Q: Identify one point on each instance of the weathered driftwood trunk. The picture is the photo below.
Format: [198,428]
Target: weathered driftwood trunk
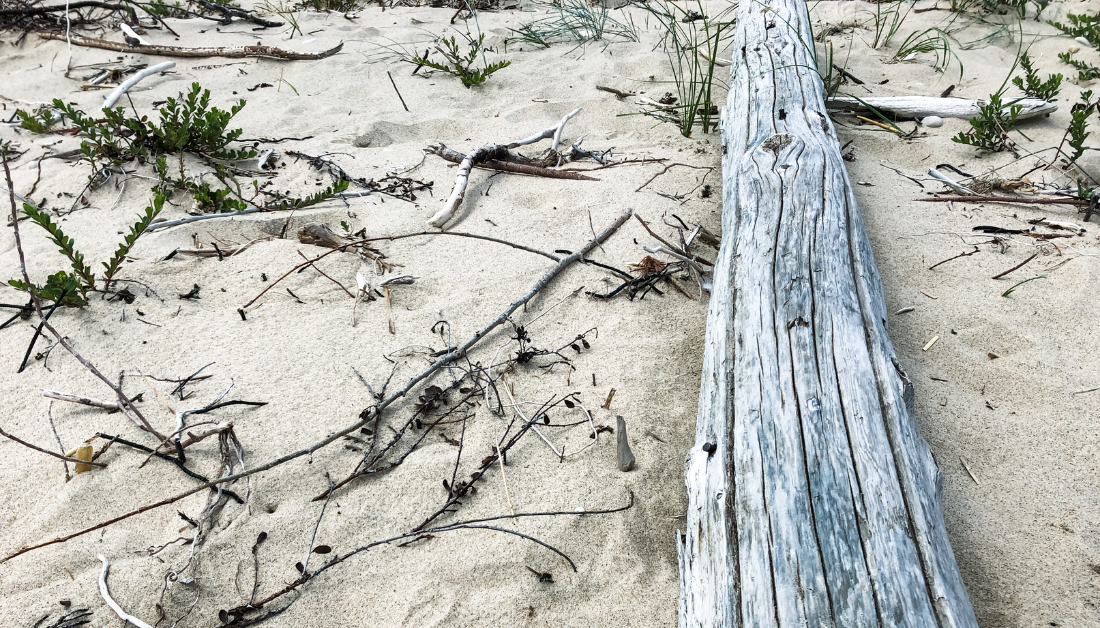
[813,499]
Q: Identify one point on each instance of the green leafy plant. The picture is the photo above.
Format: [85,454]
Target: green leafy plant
[464,65]
[1078,132]
[1087,26]
[71,288]
[65,245]
[1085,72]
[214,201]
[313,199]
[40,122]
[187,124]
[160,8]
[692,41]
[989,131]
[111,266]
[1035,87]
[579,21]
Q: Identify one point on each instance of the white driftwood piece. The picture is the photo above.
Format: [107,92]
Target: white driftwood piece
[812,498]
[922,106]
[462,177]
[110,100]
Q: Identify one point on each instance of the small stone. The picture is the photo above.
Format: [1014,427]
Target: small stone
[932,122]
[622,451]
[1074,49]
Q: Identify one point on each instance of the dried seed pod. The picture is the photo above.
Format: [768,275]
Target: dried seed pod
[622,452]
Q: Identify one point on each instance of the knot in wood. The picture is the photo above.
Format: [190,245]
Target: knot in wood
[777,142]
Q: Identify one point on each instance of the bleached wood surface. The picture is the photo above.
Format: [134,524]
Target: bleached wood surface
[813,499]
[923,106]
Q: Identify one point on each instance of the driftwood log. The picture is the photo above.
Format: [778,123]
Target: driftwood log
[813,499]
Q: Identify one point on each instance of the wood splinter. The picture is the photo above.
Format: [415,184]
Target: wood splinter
[623,455]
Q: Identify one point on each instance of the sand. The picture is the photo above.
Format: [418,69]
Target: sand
[1024,520]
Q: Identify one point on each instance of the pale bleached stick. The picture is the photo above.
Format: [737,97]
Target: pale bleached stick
[183,221]
[923,106]
[110,100]
[958,187]
[367,415]
[126,617]
[462,177]
[87,401]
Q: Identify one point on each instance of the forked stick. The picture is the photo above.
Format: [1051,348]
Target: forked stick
[462,177]
[368,414]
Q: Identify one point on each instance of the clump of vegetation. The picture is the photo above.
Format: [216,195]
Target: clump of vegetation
[1078,131]
[187,124]
[1085,72]
[934,40]
[160,8]
[41,121]
[692,41]
[989,131]
[71,288]
[464,65]
[888,21]
[1087,26]
[339,6]
[1035,87]
[576,20]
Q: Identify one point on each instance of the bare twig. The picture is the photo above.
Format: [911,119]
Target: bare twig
[48,452]
[367,414]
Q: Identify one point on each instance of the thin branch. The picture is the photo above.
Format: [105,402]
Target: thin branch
[212,51]
[48,452]
[367,414]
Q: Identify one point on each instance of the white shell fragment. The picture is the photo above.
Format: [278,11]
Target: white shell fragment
[932,122]
[1082,41]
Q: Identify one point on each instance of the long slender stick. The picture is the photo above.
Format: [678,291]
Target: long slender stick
[57,437]
[211,51]
[48,452]
[367,414]
[1004,199]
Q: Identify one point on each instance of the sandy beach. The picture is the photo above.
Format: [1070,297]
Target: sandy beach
[1007,396]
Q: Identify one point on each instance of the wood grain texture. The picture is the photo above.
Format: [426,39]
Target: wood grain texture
[819,502]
